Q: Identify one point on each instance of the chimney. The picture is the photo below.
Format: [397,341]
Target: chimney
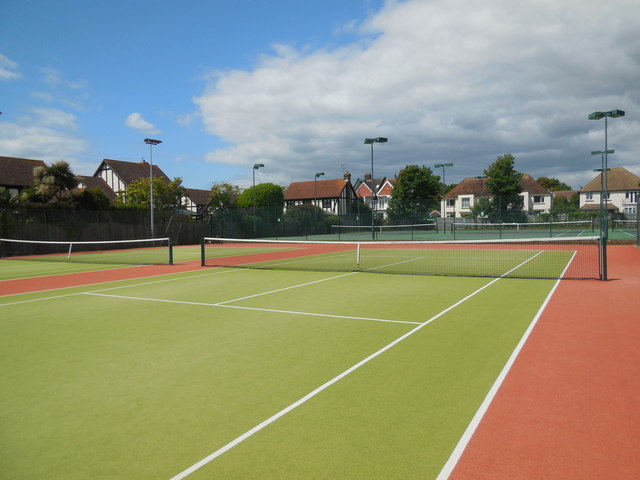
[347,177]
[367,177]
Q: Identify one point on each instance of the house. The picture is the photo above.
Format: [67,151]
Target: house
[96,182]
[383,188]
[334,197]
[197,200]
[459,201]
[623,187]
[119,174]
[16,174]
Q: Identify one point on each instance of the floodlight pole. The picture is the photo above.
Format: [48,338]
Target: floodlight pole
[604,227]
[315,198]
[374,195]
[315,187]
[256,166]
[444,186]
[151,142]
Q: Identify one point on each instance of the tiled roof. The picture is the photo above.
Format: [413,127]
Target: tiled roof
[528,184]
[197,196]
[307,190]
[97,182]
[469,186]
[618,179]
[565,193]
[363,187]
[478,186]
[18,172]
[129,172]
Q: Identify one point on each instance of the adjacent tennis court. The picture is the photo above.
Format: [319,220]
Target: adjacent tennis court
[261,372]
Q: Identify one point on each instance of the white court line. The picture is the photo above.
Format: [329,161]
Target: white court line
[220,305]
[287,288]
[296,404]
[484,406]
[121,286]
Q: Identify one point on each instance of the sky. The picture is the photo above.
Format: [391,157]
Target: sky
[298,86]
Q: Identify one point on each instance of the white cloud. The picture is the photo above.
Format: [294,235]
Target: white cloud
[49,135]
[136,122]
[8,69]
[444,82]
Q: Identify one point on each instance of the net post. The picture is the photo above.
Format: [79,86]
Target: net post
[358,254]
[604,258]
[202,262]
[170,252]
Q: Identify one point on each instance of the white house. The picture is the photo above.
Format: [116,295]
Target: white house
[461,199]
[623,188]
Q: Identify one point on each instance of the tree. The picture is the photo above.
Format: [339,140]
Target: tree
[166,196]
[264,194]
[53,183]
[223,196]
[414,194]
[553,184]
[91,199]
[562,205]
[483,207]
[504,184]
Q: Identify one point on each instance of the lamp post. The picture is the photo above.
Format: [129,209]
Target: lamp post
[151,142]
[315,187]
[374,196]
[604,227]
[315,198]
[444,186]
[481,178]
[256,166]
[603,196]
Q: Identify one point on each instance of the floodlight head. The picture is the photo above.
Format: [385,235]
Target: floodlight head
[257,165]
[151,141]
[439,165]
[611,113]
[375,140]
[319,174]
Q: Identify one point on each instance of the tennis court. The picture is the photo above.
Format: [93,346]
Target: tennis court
[257,372]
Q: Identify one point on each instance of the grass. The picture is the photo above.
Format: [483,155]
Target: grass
[147,381]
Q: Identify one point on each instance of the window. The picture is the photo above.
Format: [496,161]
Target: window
[631,197]
[589,196]
[451,202]
[630,210]
[538,199]
[326,203]
[465,203]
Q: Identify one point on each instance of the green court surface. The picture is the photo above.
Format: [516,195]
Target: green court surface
[299,374]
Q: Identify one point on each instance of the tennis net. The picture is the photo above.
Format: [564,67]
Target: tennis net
[549,258]
[627,226]
[384,232]
[150,251]
[523,230]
